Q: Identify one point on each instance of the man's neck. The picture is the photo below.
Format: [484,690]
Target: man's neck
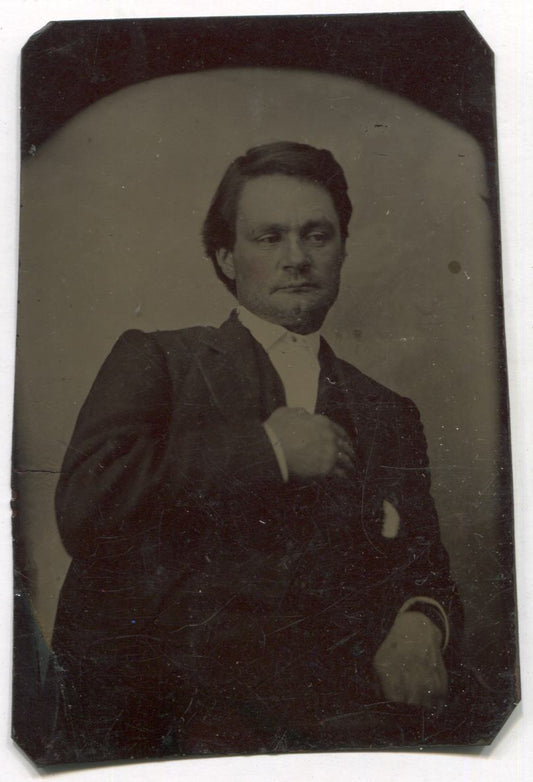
[268,333]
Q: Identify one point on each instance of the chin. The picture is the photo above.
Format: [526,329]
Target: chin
[303,321]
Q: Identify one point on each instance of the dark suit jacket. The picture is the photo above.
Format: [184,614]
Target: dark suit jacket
[205,592]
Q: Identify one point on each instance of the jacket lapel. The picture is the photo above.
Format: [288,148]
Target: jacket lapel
[233,366]
[359,399]
[366,407]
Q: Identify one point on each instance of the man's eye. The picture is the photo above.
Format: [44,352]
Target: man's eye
[268,238]
[317,237]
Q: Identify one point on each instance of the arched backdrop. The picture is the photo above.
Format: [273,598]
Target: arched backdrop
[112,208]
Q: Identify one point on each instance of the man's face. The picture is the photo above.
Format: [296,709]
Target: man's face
[288,251]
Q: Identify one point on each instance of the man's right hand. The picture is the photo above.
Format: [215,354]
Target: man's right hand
[314,445]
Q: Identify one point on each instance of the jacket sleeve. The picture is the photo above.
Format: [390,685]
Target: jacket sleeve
[134,449]
[418,561]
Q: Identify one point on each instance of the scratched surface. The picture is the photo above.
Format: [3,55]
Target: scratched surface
[112,208]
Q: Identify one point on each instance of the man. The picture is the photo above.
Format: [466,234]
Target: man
[256,555]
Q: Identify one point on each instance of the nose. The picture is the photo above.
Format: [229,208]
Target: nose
[295,256]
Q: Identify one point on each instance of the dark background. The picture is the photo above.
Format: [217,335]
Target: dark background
[436,59]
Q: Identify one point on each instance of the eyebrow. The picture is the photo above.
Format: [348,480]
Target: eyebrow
[322,222]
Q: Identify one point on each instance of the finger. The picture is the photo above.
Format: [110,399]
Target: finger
[340,433]
[338,430]
[345,461]
[439,671]
[339,472]
[433,695]
[416,687]
[395,687]
[442,680]
[420,681]
[430,690]
[391,677]
[337,434]
[346,448]
[427,689]
[428,682]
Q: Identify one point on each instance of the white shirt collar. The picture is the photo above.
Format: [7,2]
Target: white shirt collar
[269,334]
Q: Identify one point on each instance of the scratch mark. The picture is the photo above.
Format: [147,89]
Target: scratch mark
[44,472]
[205,621]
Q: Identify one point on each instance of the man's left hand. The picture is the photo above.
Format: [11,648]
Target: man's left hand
[409,662]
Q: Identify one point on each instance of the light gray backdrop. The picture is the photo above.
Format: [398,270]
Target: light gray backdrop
[112,207]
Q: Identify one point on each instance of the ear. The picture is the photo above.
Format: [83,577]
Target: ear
[225,261]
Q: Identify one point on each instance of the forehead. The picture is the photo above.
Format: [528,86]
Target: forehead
[278,198]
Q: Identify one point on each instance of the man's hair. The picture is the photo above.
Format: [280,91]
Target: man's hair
[281,157]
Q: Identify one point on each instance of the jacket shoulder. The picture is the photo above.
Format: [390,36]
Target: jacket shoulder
[137,351]
[370,388]
[167,342]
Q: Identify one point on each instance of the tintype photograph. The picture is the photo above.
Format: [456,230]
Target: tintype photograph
[261,464]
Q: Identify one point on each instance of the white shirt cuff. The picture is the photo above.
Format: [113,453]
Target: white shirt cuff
[411,603]
[278,450]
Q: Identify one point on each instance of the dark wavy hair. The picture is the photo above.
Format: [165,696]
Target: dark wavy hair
[281,157]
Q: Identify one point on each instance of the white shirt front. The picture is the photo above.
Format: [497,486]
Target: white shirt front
[294,357]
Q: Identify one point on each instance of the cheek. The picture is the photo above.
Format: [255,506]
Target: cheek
[253,274]
[330,269]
